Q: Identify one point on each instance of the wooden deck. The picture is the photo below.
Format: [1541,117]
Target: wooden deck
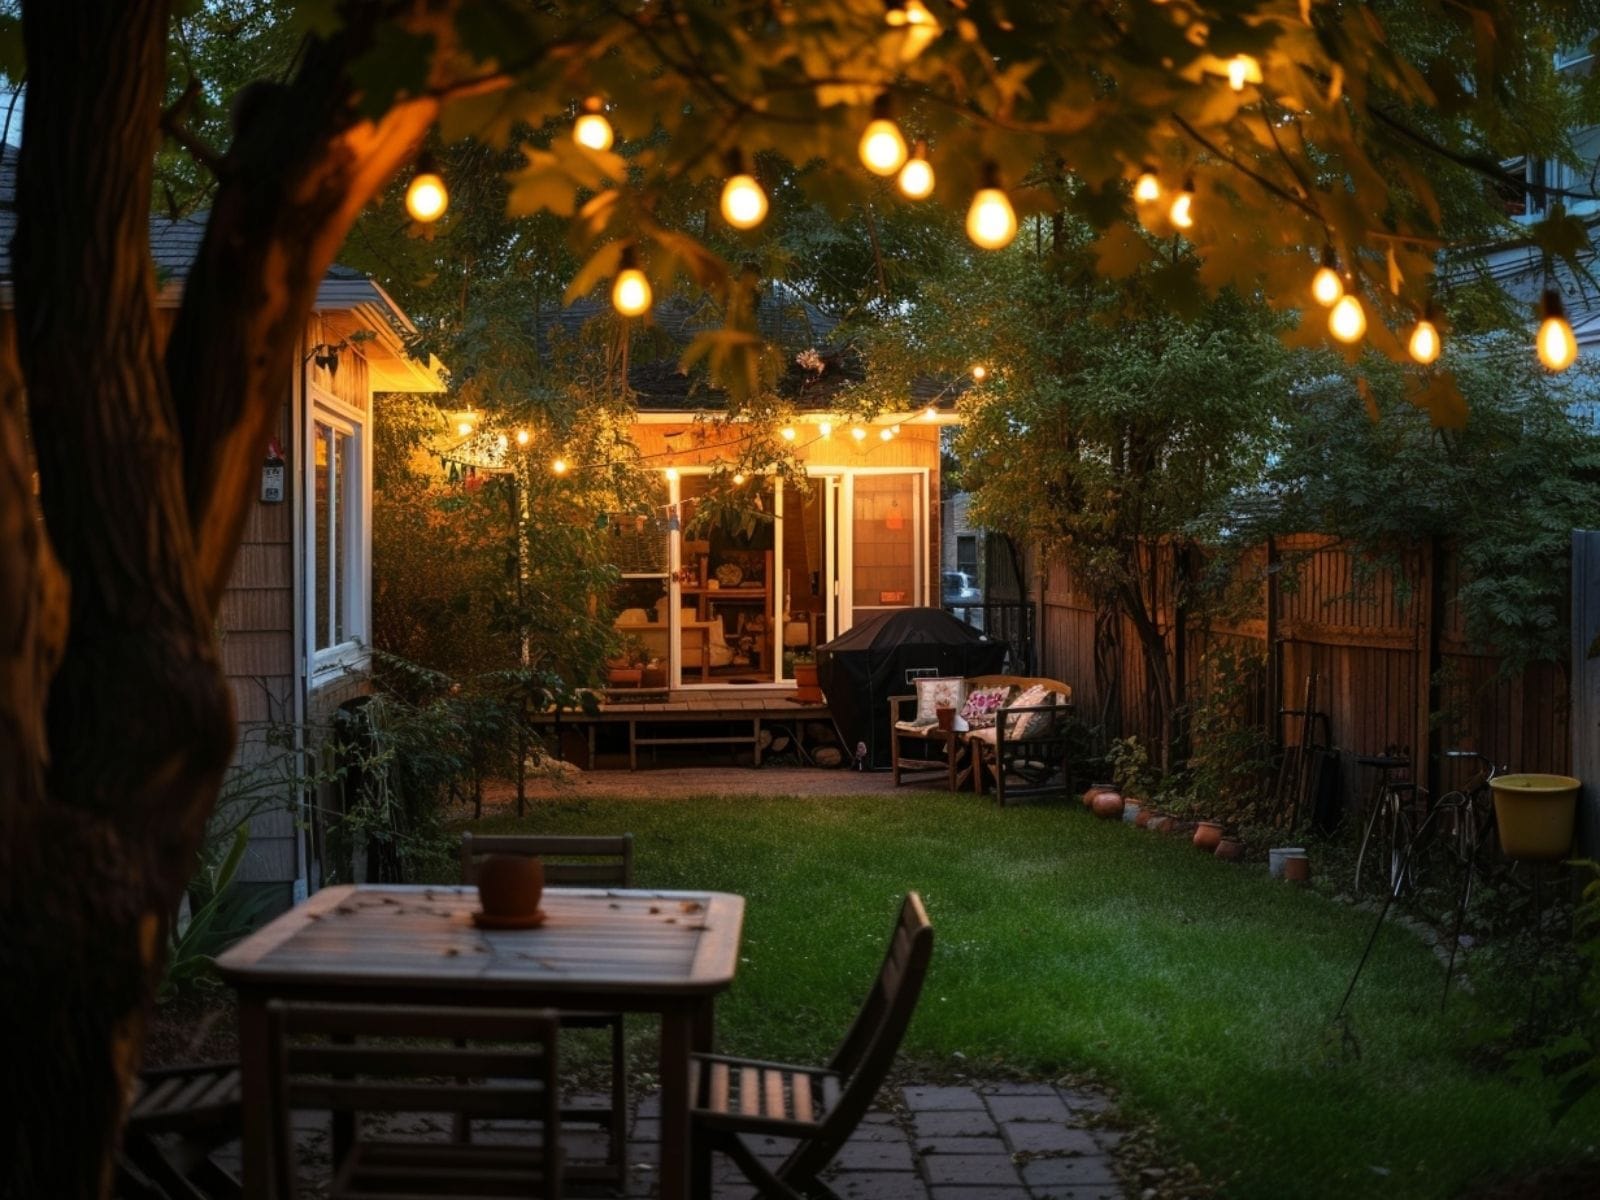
[726,716]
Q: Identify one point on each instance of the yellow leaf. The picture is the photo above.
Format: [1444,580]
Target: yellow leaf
[601,265]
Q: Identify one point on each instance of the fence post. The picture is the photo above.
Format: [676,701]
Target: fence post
[1429,606]
[1274,649]
[1584,718]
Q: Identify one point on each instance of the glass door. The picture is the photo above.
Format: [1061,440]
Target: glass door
[726,588]
[886,540]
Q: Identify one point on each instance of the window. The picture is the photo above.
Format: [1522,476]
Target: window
[967,553]
[336,535]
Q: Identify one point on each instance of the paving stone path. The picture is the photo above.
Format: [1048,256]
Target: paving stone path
[998,1141]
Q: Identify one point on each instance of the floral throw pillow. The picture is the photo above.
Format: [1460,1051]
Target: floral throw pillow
[979,710]
[1026,725]
[938,692]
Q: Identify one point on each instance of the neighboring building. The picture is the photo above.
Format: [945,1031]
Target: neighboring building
[293,622]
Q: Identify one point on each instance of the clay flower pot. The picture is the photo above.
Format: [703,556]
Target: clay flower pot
[1093,790]
[807,687]
[1207,834]
[1143,817]
[1161,823]
[1297,868]
[946,717]
[1108,805]
[1230,849]
[510,885]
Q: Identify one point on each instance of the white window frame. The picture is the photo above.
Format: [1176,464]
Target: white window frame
[353,565]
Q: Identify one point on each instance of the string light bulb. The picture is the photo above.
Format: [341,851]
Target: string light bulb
[931,413]
[991,221]
[1326,286]
[559,466]
[1348,320]
[1182,210]
[1147,188]
[1425,343]
[591,129]
[464,427]
[1243,69]
[630,293]
[980,373]
[825,428]
[859,432]
[1557,344]
[915,180]
[426,195]
[787,433]
[738,478]
[523,437]
[885,434]
[883,146]
[672,473]
[744,204]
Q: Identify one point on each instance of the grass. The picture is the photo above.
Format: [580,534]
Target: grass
[1201,992]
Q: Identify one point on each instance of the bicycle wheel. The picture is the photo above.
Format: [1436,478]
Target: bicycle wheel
[1398,843]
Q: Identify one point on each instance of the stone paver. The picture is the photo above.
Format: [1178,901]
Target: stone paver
[991,1142]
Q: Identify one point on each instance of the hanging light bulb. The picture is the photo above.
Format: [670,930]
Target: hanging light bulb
[980,373]
[523,437]
[1182,210]
[931,413]
[1557,344]
[591,129]
[559,466]
[991,221]
[630,293]
[916,177]
[1425,342]
[464,427]
[883,146]
[859,432]
[426,195]
[738,478]
[788,433]
[1147,188]
[1243,69]
[1326,286]
[672,473]
[885,434]
[744,204]
[1348,320]
[825,428]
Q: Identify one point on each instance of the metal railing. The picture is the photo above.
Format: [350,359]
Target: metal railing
[1010,621]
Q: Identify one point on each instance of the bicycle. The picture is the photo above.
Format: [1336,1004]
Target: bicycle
[1392,821]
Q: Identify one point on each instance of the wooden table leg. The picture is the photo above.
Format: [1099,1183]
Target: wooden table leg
[704,1042]
[256,1099]
[677,1039]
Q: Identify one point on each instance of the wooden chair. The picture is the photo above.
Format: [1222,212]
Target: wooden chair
[735,1097]
[179,1115]
[579,862]
[1040,762]
[356,1060]
[950,747]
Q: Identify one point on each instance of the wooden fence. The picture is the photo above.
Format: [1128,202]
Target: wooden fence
[1387,644]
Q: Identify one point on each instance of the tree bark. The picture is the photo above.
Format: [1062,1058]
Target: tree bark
[115,717]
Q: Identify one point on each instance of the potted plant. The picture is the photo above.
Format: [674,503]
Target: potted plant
[1535,814]
[625,668]
[806,688]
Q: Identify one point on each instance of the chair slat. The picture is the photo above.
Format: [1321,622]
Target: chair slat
[479,1100]
[830,1093]
[803,1110]
[749,1092]
[773,1094]
[719,1087]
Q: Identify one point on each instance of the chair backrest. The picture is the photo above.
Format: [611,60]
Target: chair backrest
[568,861]
[864,1056]
[357,1059]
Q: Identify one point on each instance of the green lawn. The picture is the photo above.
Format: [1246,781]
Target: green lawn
[1202,992]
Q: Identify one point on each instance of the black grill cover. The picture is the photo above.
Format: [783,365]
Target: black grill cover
[859,670]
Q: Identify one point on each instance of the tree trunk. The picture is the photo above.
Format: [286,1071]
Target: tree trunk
[115,718]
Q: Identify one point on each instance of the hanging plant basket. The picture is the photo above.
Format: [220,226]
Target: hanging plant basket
[1534,814]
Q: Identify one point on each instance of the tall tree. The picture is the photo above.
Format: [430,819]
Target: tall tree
[114,725]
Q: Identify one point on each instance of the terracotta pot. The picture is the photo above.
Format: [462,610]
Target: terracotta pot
[1535,815]
[1207,834]
[624,676]
[1276,857]
[1131,810]
[510,885]
[1108,806]
[653,677]
[806,686]
[1093,790]
[1143,817]
[1161,823]
[946,717]
[1230,849]
[1297,868]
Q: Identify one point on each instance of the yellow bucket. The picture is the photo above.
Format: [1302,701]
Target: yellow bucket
[1535,814]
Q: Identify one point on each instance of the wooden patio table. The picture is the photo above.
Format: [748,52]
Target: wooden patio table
[598,950]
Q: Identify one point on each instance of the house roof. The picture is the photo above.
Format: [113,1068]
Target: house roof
[174,244]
